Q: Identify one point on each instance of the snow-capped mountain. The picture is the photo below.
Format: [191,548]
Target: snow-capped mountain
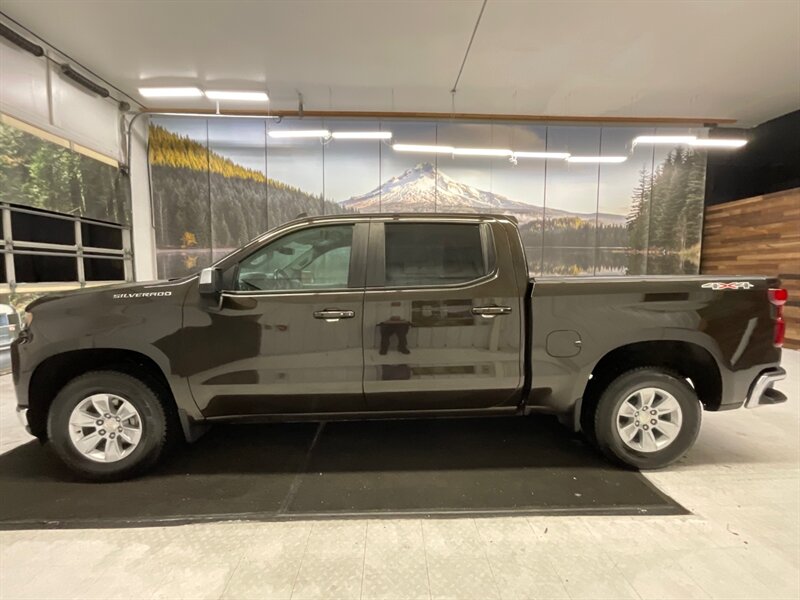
[423,189]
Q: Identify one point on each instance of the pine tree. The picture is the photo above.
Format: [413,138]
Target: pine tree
[637,221]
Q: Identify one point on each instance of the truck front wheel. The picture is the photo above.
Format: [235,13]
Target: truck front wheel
[647,418]
[107,425]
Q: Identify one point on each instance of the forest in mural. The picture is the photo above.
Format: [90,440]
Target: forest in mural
[41,174]
[216,185]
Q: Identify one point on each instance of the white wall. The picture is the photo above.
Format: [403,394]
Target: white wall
[144,257]
[33,89]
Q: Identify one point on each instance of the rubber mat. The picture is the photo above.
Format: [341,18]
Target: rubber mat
[453,467]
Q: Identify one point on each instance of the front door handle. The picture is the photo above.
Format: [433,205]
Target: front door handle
[490,312]
[331,315]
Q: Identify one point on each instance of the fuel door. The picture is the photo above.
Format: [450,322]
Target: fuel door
[563,343]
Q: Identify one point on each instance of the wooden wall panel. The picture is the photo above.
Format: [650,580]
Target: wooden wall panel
[758,236]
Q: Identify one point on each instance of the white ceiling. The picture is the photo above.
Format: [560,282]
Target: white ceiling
[712,59]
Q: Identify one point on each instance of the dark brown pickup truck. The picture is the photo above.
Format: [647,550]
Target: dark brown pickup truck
[364,316]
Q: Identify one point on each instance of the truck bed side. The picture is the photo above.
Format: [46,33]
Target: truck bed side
[587,328]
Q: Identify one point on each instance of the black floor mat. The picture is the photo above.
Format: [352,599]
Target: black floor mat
[378,468]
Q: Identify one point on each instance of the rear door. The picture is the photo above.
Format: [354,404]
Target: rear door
[442,316]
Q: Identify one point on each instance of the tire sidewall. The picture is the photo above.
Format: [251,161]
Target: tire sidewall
[608,437]
[108,382]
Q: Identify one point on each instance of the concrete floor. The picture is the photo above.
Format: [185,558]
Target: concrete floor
[741,481]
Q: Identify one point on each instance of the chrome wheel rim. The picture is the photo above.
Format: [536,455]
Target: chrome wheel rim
[105,428]
[649,420]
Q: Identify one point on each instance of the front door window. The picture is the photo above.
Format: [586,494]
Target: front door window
[317,258]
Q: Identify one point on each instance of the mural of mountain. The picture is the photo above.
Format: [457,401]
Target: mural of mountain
[424,189]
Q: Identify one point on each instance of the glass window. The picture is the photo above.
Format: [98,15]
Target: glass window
[103,269]
[97,236]
[309,259]
[433,253]
[28,227]
[38,268]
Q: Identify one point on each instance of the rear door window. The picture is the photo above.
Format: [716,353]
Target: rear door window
[433,254]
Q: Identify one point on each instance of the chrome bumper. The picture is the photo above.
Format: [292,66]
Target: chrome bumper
[762,392]
[22,416]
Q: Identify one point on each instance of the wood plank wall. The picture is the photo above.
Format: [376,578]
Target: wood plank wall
[758,236]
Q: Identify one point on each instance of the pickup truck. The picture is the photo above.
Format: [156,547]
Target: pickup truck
[392,316]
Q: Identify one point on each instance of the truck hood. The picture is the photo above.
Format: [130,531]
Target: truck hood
[139,289]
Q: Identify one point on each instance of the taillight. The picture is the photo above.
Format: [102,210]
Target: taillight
[778,297]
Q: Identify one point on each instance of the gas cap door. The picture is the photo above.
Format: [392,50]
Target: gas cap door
[563,343]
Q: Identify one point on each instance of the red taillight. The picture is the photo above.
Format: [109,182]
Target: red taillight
[778,297]
[780,332]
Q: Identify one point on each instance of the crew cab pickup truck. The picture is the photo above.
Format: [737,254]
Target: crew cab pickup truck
[391,316]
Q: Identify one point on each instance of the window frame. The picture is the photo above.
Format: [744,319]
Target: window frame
[355,276]
[376,266]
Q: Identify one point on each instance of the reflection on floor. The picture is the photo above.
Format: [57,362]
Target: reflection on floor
[742,482]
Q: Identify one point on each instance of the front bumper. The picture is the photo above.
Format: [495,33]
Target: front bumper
[761,391]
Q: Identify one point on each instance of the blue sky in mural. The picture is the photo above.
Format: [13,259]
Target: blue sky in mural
[346,169]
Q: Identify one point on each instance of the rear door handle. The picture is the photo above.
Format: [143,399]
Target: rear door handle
[331,315]
[489,312]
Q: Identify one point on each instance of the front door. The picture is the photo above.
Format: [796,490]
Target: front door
[286,337]
[442,322]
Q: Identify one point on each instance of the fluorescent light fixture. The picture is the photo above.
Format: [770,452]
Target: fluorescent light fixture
[300,133]
[244,96]
[361,135]
[664,139]
[422,148]
[170,92]
[597,159]
[481,152]
[719,143]
[556,155]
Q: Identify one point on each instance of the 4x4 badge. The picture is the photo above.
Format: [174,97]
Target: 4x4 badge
[733,285]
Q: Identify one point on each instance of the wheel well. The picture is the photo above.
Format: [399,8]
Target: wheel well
[689,360]
[55,372]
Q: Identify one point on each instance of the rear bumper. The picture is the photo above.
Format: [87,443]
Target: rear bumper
[22,417]
[761,391]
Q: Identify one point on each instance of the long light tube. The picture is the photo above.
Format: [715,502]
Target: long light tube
[664,139]
[597,159]
[170,92]
[422,148]
[481,152]
[554,155]
[242,96]
[300,133]
[718,143]
[361,135]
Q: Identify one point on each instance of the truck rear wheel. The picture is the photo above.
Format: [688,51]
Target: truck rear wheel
[647,418]
[107,425]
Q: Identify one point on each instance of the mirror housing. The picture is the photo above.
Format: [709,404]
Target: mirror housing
[210,282]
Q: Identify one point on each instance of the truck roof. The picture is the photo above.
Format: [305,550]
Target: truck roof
[403,216]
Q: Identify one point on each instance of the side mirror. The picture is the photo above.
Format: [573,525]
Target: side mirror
[210,282]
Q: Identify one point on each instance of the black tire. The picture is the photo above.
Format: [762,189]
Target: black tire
[139,394]
[605,418]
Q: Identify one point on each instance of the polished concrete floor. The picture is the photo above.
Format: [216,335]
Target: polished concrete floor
[741,481]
